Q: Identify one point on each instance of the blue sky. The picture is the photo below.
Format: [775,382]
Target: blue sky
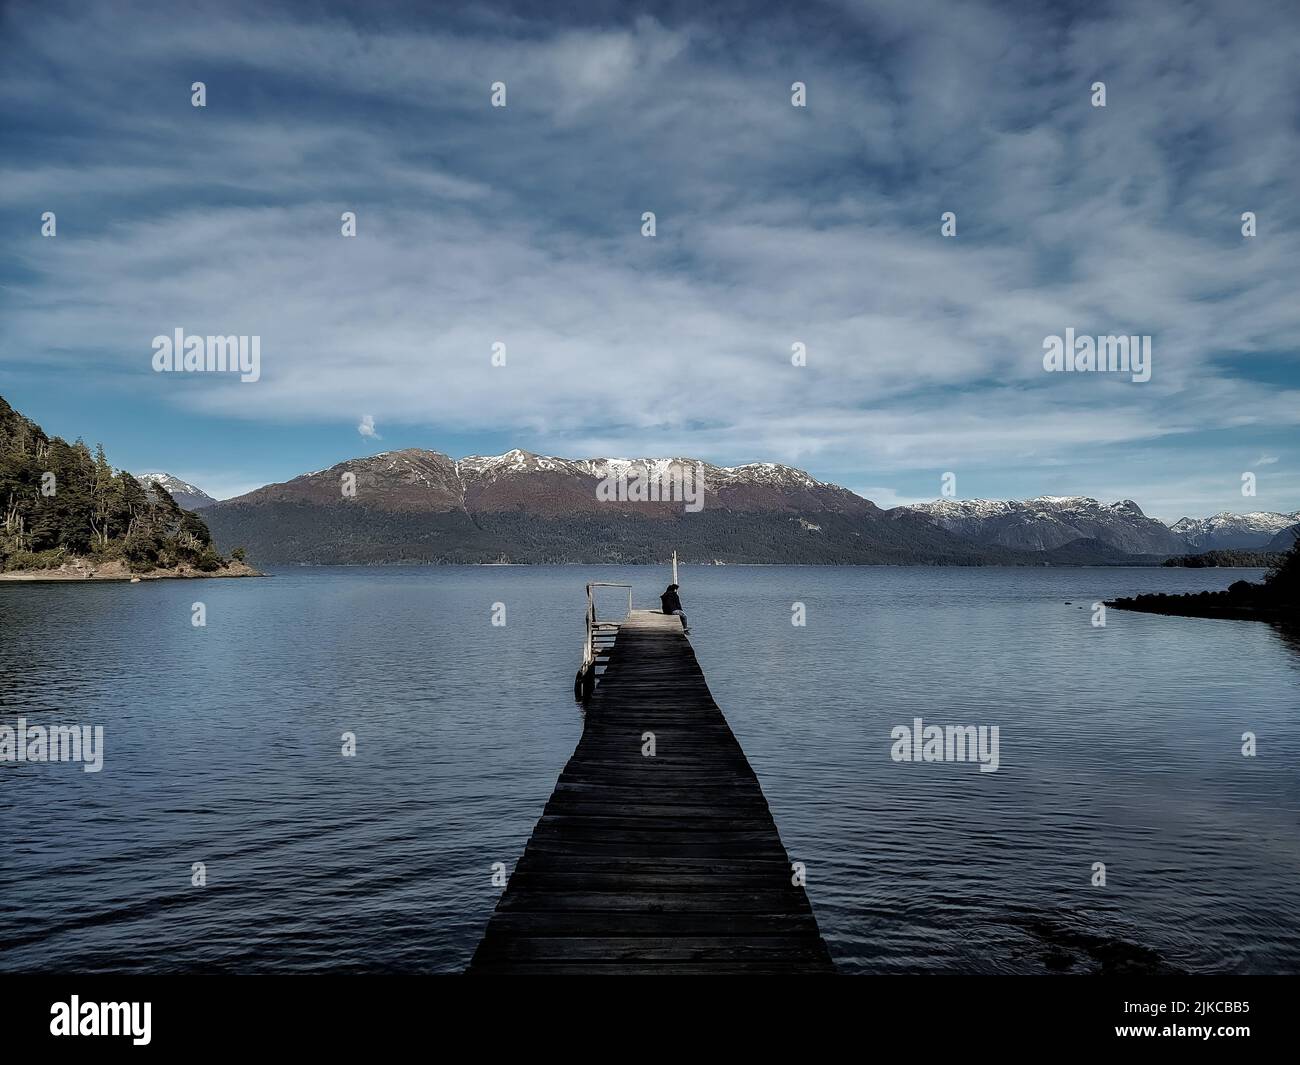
[775,225]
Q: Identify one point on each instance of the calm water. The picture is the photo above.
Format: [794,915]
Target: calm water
[1118,744]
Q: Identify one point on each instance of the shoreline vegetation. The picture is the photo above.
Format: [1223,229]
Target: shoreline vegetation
[66,514]
[1276,599]
[1228,558]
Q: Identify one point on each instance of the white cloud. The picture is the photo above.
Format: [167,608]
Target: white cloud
[521,226]
[887,498]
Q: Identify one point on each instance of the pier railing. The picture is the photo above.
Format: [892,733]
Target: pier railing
[601,634]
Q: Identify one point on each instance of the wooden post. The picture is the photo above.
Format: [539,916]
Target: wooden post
[674,567]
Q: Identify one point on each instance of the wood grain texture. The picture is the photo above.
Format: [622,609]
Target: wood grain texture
[665,864]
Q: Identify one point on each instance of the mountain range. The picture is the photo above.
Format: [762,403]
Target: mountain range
[418,506]
[1249,531]
[1052,521]
[1284,540]
[422,506]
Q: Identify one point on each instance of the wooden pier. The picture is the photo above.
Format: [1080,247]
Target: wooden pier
[663,863]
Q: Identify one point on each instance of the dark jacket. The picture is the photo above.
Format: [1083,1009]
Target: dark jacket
[670,602]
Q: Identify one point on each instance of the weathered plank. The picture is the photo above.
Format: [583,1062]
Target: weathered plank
[663,864]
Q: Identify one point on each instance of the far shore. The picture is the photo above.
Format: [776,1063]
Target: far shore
[82,571]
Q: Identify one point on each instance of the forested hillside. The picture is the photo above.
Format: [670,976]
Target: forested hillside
[60,501]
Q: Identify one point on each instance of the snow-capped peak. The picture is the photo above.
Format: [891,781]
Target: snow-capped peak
[519,461]
[186,495]
[1227,530]
[172,484]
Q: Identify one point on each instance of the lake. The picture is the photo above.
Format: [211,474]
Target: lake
[1119,744]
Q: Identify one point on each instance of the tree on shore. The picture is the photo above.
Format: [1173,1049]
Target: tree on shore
[59,501]
[1283,581]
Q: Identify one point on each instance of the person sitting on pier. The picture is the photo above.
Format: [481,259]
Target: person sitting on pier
[672,604]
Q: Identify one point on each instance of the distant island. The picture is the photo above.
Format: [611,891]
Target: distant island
[1277,598]
[68,515]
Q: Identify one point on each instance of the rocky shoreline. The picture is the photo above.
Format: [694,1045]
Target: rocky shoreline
[84,570]
[1207,605]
